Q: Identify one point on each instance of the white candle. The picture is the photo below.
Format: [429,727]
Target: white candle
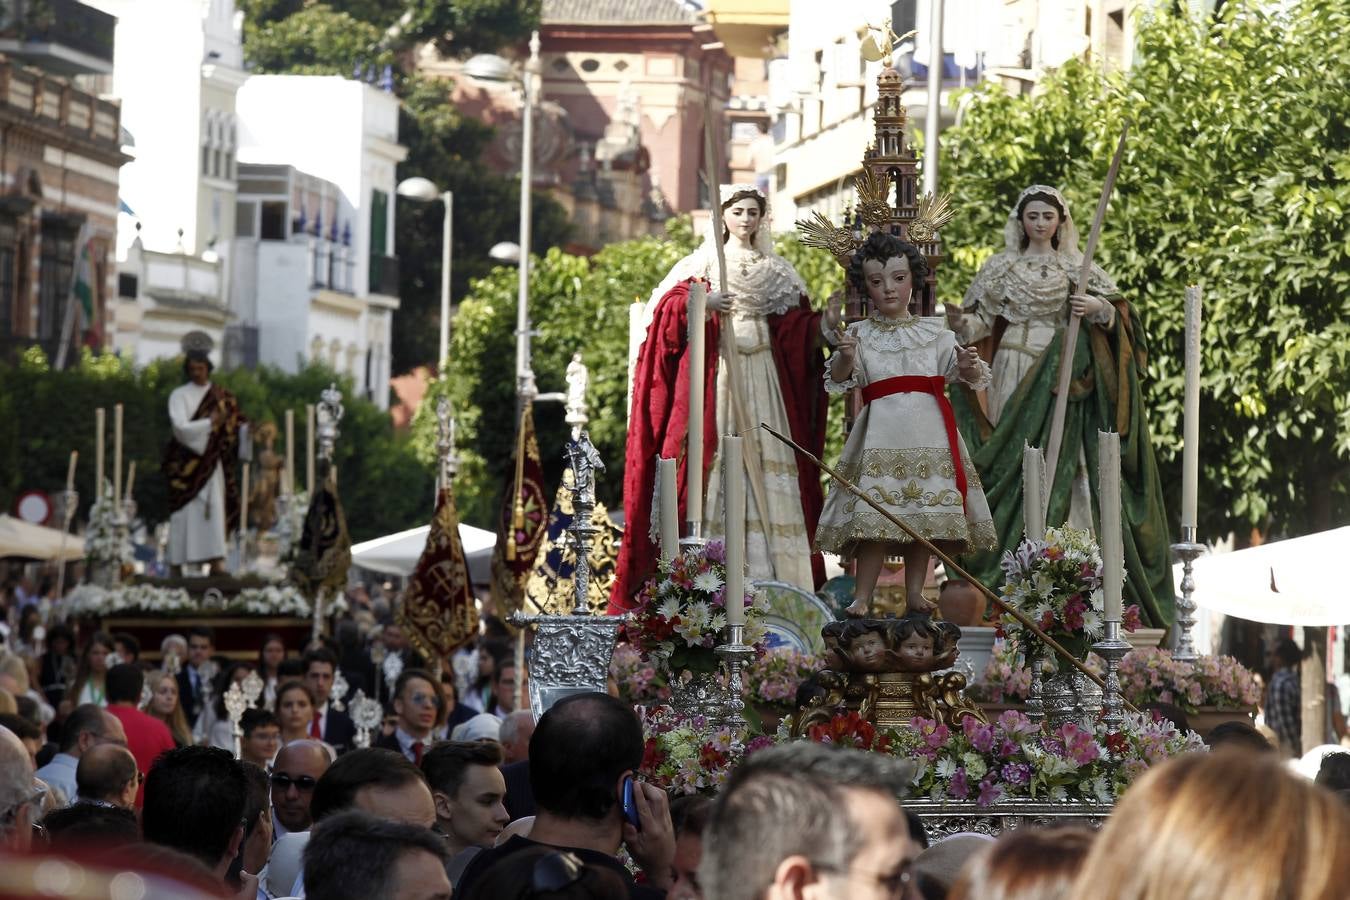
[1033,492]
[309,449]
[70,472]
[1190,454]
[698,301]
[100,442]
[117,453]
[243,505]
[670,509]
[288,481]
[1108,497]
[131,479]
[733,493]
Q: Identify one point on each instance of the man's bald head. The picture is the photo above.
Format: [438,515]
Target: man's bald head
[16,786]
[108,772]
[296,770]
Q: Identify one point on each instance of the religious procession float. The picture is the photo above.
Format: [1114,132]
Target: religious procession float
[1007,441]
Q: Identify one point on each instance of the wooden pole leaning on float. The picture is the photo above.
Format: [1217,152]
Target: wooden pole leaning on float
[951,564]
[1071,330]
[727,335]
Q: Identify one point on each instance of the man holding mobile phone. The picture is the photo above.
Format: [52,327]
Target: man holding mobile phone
[584,758]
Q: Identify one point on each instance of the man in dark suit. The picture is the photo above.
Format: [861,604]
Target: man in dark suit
[194,678]
[417,703]
[330,725]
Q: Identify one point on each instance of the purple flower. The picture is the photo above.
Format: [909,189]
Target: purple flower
[990,793]
[960,785]
[1017,773]
[981,736]
[1007,747]
[758,743]
[716,551]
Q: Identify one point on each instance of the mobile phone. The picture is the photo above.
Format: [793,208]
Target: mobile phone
[629,806]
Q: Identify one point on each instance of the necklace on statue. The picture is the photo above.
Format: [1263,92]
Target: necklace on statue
[749,260]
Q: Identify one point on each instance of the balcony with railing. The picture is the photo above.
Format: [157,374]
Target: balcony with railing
[37,98]
[64,37]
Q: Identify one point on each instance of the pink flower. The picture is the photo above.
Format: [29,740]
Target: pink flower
[1132,619]
[960,785]
[981,736]
[990,793]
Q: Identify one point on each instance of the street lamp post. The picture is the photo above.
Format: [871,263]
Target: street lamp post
[524,371]
[423,190]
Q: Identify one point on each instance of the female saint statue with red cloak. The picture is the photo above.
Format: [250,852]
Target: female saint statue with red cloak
[777,341]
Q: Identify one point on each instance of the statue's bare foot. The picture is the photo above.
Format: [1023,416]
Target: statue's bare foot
[857,609]
[919,604]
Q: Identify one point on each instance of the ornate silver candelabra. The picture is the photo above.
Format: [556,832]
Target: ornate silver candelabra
[235,704]
[445,444]
[1187,550]
[1112,648]
[330,414]
[571,653]
[735,653]
[366,715]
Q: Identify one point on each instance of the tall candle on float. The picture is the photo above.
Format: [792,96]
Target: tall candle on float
[100,441]
[1190,454]
[733,484]
[288,480]
[670,508]
[117,453]
[698,304]
[309,448]
[70,472]
[1033,492]
[131,480]
[1108,493]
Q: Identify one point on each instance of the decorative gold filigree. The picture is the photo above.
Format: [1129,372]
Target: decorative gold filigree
[933,213]
[818,231]
[874,198]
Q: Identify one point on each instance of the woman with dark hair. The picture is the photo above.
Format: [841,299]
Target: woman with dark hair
[764,314]
[1017,308]
[1025,864]
[904,448]
[57,666]
[295,711]
[271,654]
[89,685]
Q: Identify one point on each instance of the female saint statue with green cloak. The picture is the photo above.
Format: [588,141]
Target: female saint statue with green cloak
[1016,309]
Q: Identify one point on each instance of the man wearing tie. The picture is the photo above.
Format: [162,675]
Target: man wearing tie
[194,679]
[417,700]
[330,725]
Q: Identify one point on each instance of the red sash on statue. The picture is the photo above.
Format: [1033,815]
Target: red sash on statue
[925,384]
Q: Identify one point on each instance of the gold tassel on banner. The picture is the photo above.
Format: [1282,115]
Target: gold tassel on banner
[518,514]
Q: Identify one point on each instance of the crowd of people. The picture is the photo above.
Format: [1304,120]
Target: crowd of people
[111,765]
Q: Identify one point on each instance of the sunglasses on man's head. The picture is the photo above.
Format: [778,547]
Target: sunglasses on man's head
[282,781]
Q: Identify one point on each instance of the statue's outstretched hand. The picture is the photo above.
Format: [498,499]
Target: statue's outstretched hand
[967,361]
[834,311]
[718,301]
[846,349]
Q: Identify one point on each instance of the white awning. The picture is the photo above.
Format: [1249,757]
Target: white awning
[1293,582]
[397,554]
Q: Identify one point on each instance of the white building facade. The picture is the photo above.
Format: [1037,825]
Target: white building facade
[314,271]
[177,67]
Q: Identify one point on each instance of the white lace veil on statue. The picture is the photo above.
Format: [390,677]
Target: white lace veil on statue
[1067,232]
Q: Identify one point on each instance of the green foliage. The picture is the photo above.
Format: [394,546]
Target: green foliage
[1237,177]
[46,414]
[315,40]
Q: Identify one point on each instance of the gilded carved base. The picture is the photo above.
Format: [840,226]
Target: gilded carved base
[890,699]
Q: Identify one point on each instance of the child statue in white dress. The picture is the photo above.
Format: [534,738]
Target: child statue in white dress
[904,450]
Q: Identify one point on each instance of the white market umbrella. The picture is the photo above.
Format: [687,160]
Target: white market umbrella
[397,554]
[1289,582]
[25,540]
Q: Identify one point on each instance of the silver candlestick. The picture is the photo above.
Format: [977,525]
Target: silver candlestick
[367,714]
[585,461]
[735,653]
[330,414]
[1112,648]
[1188,550]
[235,704]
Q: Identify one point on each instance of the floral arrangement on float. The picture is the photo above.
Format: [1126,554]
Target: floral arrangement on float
[681,617]
[93,601]
[105,541]
[1006,677]
[638,681]
[688,755]
[773,677]
[1153,676]
[1012,758]
[1057,582]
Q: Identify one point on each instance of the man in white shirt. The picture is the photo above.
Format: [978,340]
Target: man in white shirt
[87,726]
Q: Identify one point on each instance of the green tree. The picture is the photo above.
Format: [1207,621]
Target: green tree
[45,414]
[1236,177]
